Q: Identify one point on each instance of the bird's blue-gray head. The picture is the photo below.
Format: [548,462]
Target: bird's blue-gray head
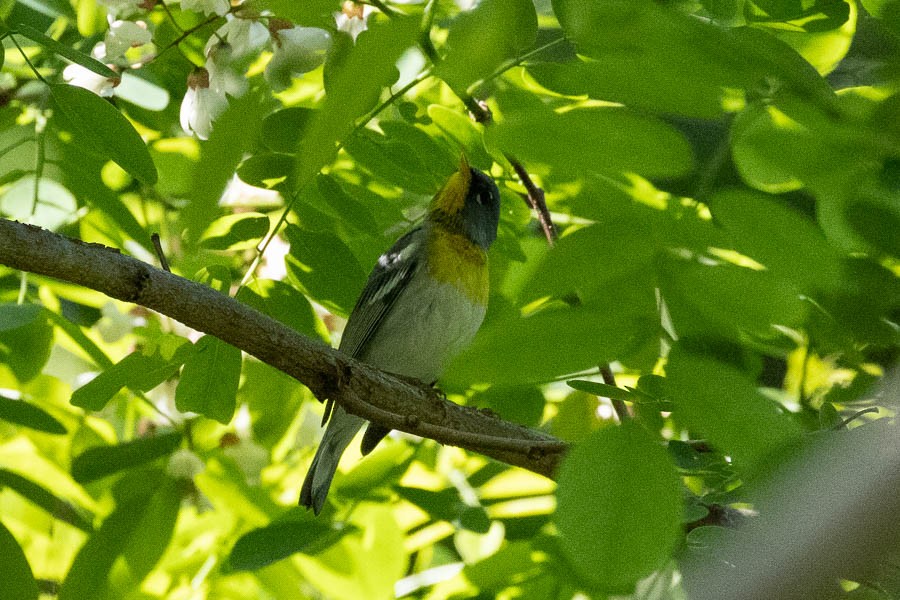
[481,210]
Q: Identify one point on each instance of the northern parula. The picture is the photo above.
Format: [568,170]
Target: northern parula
[422,304]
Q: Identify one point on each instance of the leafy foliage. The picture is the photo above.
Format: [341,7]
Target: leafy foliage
[725,179]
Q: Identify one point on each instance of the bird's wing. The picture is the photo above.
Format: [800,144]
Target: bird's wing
[387,280]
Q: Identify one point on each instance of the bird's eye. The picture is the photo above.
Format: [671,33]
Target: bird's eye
[479,198]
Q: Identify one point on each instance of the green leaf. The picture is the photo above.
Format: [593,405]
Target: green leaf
[15,572]
[353,89]
[345,207]
[88,575]
[107,131]
[393,161]
[720,402]
[283,129]
[235,133]
[479,40]
[761,227]
[285,304]
[235,232]
[729,301]
[619,507]
[597,140]
[42,202]
[268,170]
[464,132]
[53,505]
[65,51]
[519,404]
[571,339]
[274,542]
[601,389]
[137,371]
[154,530]
[324,268]
[26,338]
[98,462]
[647,55]
[209,380]
[29,415]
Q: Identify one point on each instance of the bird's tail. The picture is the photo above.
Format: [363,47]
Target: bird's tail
[342,426]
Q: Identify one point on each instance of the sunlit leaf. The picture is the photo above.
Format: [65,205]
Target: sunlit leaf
[104,128]
[65,51]
[209,380]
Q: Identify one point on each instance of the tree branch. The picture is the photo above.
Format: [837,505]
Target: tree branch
[360,389]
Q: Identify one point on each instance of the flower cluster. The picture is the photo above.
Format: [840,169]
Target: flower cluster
[230,50]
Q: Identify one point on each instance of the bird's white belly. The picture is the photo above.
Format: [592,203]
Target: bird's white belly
[428,326]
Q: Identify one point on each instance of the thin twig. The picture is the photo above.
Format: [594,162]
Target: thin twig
[536,200]
[159,252]
[619,406]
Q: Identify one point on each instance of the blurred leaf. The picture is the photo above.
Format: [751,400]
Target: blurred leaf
[480,39]
[88,575]
[324,268]
[718,401]
[464,132]
[391,160]
[264,546]
[137,371]
[383,466]
[268,170]
[235,132]
[348,209]
[42,202]
[311,13]
[15,572]
[352,90]
[603,390]
[762,227]
[209,380]
[648,55]
[285,304]
[235,232]
[519,404]
[26,338]
[154,529]
[53,505]
[543,346]
[620,481]
[593,259]
[63,50]
[283,129]
[729,301]
[598,140]
[29,415]
[100,461]
[99,124]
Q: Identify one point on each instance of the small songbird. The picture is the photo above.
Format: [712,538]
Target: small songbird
[422,304]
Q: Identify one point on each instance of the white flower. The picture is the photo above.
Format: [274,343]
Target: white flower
[201,105]
[207,7]
[123,35]
[353,18]
[87,79]
[224,77]
[245,36]
[298,50]
[184,464]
